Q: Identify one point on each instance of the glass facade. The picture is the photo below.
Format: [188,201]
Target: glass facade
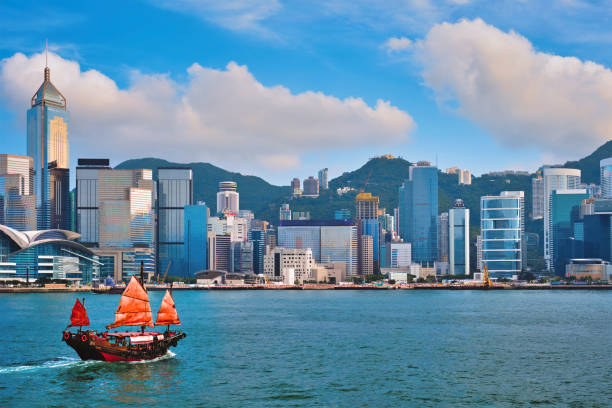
[565,208]
[605,168]
[195,238]
[555,179]
[17,201]
[459,240]
[329,240]
[502,230]
[45,254]
[258,238]
[418,212]
[174,192]
[47,145]
[371,227]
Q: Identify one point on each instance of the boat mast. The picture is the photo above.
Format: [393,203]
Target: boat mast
[143,286]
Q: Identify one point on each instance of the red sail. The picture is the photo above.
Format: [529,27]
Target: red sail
[167,311]
[134,308]
[79,315]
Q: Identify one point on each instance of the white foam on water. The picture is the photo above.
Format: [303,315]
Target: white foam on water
[60,362]
[166,356]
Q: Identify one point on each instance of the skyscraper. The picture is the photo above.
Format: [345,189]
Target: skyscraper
[565,212]
[605,173]
[555,179]
[47,144]
[418,212]
[228,198]
[502,226]
[366,206]
[323,182]
[443,237]
[87,202]
[329,240]
[17,201]
[174,192]
[258,238]
[195,238]
[116,217]
[459,239]
[537,197]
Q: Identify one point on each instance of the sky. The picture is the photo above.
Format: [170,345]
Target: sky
[281,89]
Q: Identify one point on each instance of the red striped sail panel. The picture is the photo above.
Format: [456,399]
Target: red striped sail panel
[79,315]
[134,308]
[167,311]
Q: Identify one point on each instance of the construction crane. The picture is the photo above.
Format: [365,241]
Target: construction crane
[166,273]
[486,282]
[362,189]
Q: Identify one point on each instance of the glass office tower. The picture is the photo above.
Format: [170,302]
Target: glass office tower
[196,220]
[459,239]
[47,144]
[174,192]
[418,212]
[258,238]
[502,225]
[17,201]
[565,212]
[555,179]
[329,240]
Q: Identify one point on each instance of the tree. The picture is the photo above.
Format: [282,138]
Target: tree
[391,281]
[421,280]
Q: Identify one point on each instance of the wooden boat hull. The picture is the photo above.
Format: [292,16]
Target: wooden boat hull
[91,345]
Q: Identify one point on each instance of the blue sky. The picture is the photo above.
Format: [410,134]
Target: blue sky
[283,88]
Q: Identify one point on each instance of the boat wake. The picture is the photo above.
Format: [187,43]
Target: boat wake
[166,356]
[60,362]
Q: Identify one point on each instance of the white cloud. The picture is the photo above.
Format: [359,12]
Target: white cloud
[223,116]
[395,44]
[523,97]
[238,15]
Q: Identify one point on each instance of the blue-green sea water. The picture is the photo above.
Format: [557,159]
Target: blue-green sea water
[326,348]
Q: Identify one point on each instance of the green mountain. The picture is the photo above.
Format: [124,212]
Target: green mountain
[206,179]
[384,175]
[590,164]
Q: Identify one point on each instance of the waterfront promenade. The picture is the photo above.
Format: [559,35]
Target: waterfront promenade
[410,286]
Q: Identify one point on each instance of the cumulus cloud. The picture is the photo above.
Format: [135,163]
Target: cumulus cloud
[520,95]
[395,44]
[225,116]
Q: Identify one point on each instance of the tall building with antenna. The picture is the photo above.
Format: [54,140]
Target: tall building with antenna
[47,124]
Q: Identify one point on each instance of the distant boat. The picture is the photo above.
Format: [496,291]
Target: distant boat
[134,310]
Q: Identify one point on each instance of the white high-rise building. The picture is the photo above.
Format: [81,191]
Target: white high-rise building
[228,198]
[465,176]
[555,178]
[323,181]
[236,227]
[605,167]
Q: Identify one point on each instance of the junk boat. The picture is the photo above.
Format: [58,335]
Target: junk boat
[134,310]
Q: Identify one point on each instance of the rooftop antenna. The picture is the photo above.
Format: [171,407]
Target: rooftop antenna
[47,74]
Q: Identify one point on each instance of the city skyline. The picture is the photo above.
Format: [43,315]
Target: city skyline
[278,71]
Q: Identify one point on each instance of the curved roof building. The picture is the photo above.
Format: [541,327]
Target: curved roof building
[48,253]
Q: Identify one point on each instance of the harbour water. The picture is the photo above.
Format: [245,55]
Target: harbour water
[326,348]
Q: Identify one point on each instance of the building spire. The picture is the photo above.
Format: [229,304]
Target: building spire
[47,72]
